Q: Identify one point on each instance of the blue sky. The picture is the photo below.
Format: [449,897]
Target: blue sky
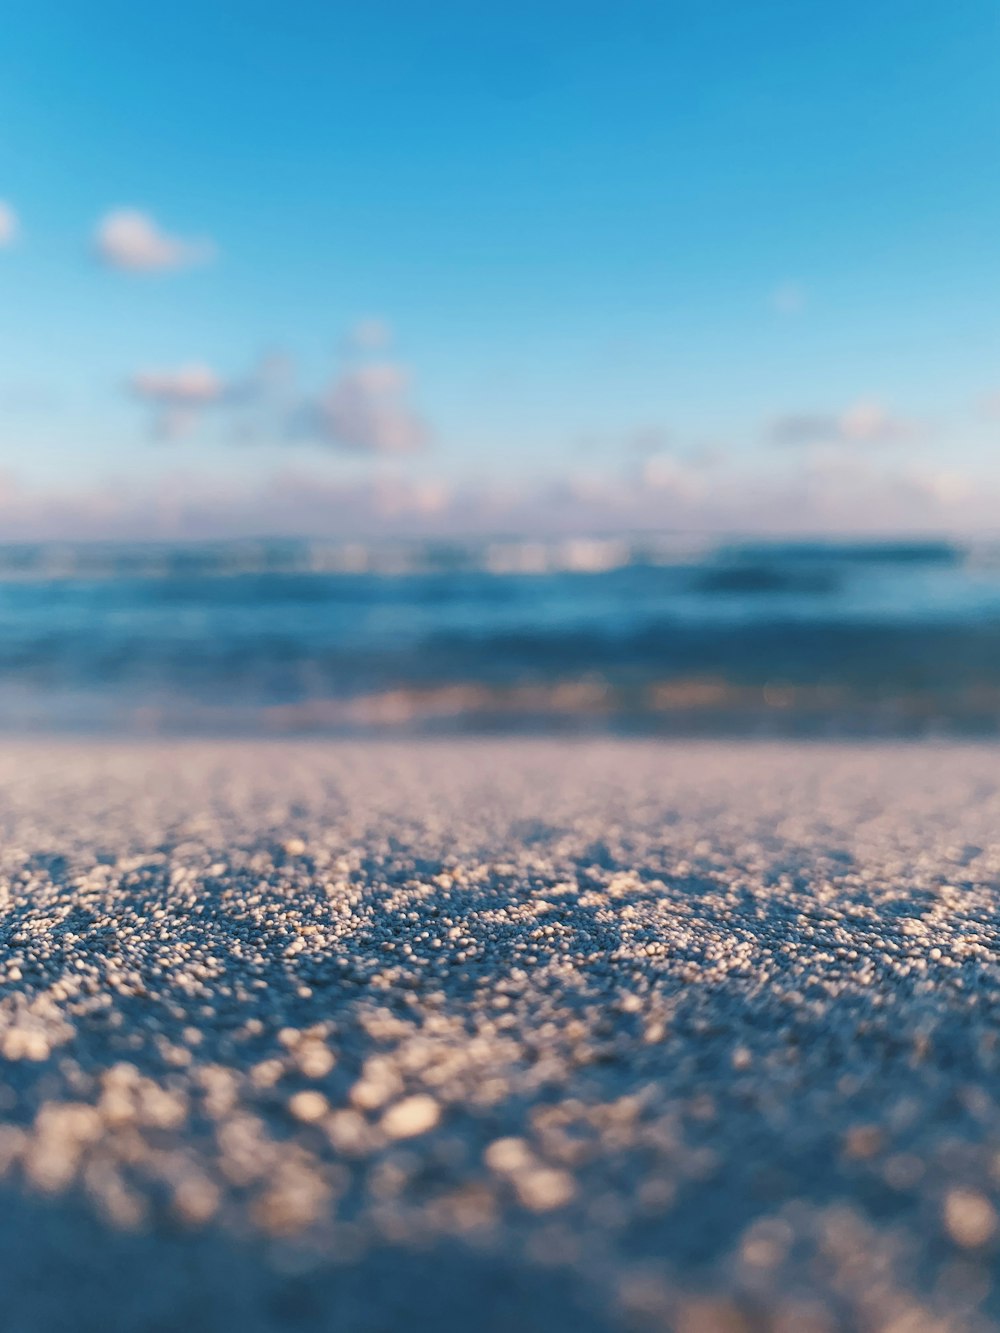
[571,264]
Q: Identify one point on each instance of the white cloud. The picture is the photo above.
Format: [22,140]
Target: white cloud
[366,409]
[946,488]
[179,397]
[395,497]
[9,225]
[129,239]
[866,421]
[252,407]
[193,385]
[673,476]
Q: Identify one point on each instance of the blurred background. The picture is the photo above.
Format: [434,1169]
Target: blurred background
[549,365]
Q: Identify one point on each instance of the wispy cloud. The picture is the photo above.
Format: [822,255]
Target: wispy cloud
[133,241]
[9,225]
[680,478]
[178,396]
[367,409]
[865,422]
[188,386]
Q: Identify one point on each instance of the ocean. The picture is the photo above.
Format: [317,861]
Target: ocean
[632,635]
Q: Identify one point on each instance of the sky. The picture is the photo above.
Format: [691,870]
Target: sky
[330,268]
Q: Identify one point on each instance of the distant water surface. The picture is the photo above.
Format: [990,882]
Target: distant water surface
[624,635]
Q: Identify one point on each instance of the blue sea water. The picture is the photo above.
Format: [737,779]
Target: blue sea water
[647,635]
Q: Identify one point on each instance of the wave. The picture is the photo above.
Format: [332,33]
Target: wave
[502,557]
[632,632]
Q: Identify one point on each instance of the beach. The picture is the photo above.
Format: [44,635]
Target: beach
[580,1034]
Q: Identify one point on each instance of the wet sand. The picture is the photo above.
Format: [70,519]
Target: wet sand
[507,1034]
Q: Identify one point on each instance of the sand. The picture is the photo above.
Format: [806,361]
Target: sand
[505,1035]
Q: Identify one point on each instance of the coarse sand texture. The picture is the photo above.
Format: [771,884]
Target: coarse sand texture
[534,1035]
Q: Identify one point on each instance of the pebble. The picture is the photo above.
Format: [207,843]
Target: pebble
[308,1106]
[410,1117]
[970,1218]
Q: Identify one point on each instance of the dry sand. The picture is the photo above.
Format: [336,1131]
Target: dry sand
[501,1035]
